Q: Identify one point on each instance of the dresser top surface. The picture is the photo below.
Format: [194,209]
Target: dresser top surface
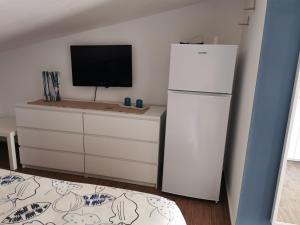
[154,112]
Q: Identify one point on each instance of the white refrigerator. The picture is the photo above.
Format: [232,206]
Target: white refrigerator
[199,96]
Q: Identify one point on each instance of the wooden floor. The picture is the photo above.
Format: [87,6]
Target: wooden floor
[195,212]
[289,207]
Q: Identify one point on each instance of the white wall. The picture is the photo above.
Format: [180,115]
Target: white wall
[20,69]
[243,97]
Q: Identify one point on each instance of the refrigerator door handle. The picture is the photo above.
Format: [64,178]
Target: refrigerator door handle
[199,93]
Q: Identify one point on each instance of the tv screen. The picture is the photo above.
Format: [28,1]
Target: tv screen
[102,65]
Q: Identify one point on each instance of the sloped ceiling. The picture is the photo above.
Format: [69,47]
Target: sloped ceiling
[24,22]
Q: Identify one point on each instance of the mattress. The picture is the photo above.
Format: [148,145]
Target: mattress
[34,200]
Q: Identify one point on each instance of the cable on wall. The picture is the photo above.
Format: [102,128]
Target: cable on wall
[95,94]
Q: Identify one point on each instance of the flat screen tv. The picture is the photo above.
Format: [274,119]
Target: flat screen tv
[102,65]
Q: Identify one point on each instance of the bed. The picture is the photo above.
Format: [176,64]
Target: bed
[34,200]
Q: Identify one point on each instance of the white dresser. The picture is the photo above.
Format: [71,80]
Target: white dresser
[115,145]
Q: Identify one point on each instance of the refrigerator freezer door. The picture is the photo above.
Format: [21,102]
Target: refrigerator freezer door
[195,144]
[204,68]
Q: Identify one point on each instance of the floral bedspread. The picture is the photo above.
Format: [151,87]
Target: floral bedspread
[33,200]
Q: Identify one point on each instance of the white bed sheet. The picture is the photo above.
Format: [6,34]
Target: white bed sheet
[34,200]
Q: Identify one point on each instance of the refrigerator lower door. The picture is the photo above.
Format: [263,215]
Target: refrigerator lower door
[195,144]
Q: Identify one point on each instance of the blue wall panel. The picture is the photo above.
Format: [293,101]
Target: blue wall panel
[277,69]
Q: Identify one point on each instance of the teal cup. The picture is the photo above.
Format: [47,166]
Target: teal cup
[127,101]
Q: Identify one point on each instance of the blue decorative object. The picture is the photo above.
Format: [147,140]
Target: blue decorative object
[139,103]
[51,81]
[47,93]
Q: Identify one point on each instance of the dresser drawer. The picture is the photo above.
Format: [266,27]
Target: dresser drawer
[137,129]
[49,120]
[54,160]
[50,140]
[134,171]
[121,148]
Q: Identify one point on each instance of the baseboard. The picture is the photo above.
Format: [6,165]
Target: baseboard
[294,160]
[281,223]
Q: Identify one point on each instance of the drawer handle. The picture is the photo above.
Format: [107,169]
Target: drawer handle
[202,53]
